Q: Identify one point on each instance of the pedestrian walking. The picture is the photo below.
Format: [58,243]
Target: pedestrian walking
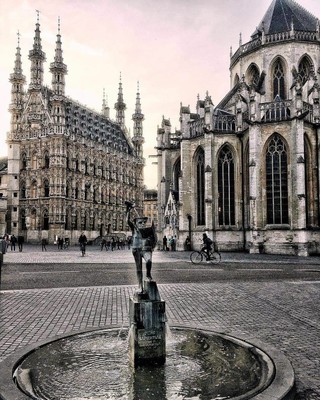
[13,242]
[20,243]
[103,244]
[44,244]
[83,243]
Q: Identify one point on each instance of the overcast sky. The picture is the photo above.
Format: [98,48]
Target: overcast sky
[174,48]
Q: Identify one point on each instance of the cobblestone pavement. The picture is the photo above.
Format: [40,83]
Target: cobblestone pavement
[283,314]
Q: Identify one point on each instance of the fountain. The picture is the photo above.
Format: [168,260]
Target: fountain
[147,360]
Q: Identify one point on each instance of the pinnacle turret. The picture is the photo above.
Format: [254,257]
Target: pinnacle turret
[105,108]
[18,81]
[58,68]
[120,107]
[37,58]
[138,118]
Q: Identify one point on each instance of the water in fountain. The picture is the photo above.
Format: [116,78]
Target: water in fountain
[94,366]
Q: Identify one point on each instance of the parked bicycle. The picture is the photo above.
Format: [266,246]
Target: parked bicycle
[196,257]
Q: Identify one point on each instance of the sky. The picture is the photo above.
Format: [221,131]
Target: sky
[176,49]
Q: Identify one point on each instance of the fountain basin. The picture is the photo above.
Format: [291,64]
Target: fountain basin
[201,364]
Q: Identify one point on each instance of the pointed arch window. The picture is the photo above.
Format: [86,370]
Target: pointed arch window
[278,80]
[200,187]
[305,68]
[226,187]
[24,161]
[253,75]
[23,225]
[23,191]
[67,225]
[176,176]
[45,221]
[34,161]
[34,189]
[311,185]
[46,160]
[277,181]
[46,188]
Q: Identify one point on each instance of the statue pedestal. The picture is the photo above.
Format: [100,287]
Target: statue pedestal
[147,337]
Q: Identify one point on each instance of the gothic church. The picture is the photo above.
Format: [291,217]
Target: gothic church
[246,171]
[70,168]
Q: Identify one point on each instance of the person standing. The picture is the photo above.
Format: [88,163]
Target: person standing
[188,243]
[83,243]
[165,243]
[13,242]
[20,243]
[44,244]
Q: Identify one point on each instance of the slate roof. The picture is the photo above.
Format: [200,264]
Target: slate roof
[280,14]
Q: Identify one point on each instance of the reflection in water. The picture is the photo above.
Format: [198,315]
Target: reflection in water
[95,366]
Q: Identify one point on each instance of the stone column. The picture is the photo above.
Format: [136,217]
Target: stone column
[147,336]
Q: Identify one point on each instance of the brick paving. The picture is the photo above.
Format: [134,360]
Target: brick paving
[283,314]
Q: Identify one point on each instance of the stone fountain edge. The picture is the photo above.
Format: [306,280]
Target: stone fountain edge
[281,386]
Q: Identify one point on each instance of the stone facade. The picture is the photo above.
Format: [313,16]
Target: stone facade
[150,205]
[70,168]
[247,170]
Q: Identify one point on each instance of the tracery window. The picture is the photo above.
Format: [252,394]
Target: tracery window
[176,175]
[305,68]
[24,161]
[45,220]
[200,187]
[34,189]
[46,160]
[23,192]
[34,162]
[67,225]
[277,181]
[253,75]
[46,188]
[226,187]
[278,80]
[23,225]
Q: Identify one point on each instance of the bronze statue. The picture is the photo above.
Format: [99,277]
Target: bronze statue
[144,239]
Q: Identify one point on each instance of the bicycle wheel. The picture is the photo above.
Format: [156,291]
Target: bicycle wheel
[215,257]
[196,257]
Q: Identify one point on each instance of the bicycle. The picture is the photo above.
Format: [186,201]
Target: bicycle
[197,256]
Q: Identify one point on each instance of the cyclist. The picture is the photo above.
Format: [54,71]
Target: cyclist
[207,245]
[83,242]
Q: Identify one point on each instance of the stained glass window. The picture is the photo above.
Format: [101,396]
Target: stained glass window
[277,182]
[226,187]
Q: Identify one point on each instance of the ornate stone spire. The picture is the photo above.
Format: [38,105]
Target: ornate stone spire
[120,107]
[37,58]
[18,81]
[138,118]
[58,68]
[105,108]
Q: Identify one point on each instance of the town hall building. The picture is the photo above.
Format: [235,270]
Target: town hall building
[70,168]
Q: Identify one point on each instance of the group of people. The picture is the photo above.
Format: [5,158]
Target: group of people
[12,241]
[115,243]
[169,244]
